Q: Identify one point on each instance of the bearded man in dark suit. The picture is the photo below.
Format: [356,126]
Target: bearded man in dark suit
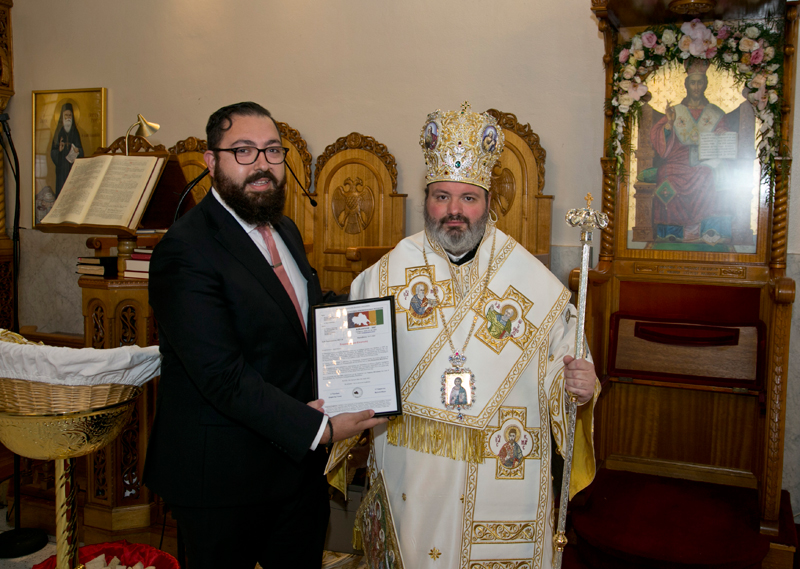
[235,448]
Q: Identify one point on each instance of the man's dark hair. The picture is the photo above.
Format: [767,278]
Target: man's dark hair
[221,121]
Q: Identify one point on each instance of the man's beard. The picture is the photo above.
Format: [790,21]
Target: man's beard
[456,241]
[256,208]
[67,126]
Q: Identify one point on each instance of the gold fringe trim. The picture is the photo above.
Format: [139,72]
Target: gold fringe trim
[357,541]
[437,438]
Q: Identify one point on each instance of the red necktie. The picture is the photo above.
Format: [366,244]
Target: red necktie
[280,272]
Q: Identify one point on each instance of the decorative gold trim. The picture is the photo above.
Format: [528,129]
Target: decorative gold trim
[480,421]
[505,532]
[501,564]
[469,515]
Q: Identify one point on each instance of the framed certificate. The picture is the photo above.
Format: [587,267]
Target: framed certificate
[355,356]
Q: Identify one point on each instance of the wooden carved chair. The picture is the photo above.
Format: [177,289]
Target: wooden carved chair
[356,183]
[522,210]
[189,153]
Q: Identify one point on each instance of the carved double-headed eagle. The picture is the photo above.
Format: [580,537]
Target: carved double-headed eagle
[353,205]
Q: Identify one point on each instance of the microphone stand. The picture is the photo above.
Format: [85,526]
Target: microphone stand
[18,541]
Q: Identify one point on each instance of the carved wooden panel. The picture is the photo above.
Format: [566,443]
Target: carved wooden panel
[356,186]
[190,156]
[298,207]
[522,209]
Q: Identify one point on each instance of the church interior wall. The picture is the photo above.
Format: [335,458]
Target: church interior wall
[327,69]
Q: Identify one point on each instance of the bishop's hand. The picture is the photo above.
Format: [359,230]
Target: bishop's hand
[579,378]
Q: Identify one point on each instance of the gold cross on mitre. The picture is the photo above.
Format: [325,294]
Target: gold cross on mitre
[589,199]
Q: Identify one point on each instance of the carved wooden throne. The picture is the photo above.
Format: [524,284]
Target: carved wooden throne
[356,185]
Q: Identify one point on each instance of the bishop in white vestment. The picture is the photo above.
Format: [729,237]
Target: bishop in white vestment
[468,478]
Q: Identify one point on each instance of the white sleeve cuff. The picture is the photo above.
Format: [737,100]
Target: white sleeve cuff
[319,433]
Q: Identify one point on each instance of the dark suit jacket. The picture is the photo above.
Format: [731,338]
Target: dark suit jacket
[232,426]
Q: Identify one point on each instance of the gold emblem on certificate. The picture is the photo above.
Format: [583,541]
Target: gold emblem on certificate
[458,386]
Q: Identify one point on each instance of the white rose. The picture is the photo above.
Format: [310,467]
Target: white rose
[624,85]
[732,43]
[636,43]
[685,55]
[769,53]
[668,37]
[639,54]
[744,68]
[773,97]
[746,44]
[625,100]
[727,57]
[717,25]
[752,32]
[735,57]
[772,80]
[628,71]
[773,68]
[685,43]
[757,81]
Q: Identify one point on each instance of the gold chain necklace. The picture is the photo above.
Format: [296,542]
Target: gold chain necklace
[454,395]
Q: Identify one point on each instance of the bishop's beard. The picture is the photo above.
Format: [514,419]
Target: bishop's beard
[456,241]
[258,209]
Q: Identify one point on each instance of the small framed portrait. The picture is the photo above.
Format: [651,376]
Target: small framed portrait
[458,389]
[489,139]
[67,125]
[431,135]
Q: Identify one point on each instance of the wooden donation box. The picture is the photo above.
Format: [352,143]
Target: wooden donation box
[689,308]
[117,313]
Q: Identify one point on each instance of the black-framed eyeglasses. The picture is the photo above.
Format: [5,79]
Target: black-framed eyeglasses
[246,155]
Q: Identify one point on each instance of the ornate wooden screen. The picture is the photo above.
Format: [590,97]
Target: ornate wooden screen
[717,433]
[356,185]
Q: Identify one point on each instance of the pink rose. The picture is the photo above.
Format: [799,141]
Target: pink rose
[711,52]
[624,54]
[649,40]
[723,33]
[757,56]
[660,49]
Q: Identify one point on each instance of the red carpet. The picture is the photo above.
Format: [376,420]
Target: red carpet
[636,520]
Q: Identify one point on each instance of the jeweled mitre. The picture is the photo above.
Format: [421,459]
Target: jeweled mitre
[461,146]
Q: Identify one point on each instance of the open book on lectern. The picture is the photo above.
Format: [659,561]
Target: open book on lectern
[105,192]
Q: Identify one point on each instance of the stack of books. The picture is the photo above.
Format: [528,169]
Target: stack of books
[138,266]
[101,267]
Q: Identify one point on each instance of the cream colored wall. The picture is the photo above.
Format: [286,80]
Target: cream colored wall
[327,68]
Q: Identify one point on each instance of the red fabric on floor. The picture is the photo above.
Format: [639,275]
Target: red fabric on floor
[129,554]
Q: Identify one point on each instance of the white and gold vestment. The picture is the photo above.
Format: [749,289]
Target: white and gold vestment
[472,489]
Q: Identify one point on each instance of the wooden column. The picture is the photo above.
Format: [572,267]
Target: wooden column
[117,313]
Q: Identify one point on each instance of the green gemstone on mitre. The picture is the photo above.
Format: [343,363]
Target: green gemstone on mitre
[458,164]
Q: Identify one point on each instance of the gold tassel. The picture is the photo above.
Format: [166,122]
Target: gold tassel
[358,542]
[437,438]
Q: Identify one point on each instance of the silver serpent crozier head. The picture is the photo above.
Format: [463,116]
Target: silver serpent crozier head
[587,218]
